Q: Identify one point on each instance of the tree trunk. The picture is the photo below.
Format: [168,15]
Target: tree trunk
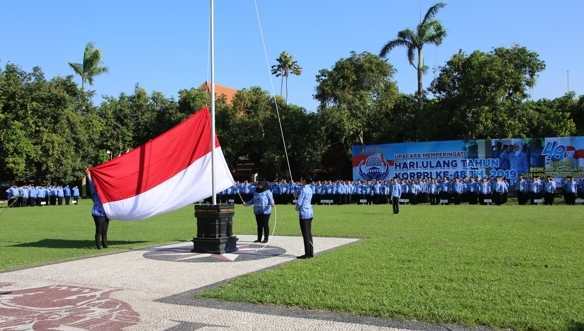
[286,100]
[420,77]
[281,85]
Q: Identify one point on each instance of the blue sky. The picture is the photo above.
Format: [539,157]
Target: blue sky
[163,45]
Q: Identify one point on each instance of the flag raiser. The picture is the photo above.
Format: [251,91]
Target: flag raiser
[166,173]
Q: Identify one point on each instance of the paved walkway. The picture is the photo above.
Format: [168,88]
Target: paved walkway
[153,290]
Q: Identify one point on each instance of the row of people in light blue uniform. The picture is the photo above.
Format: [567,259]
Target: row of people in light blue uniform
[458,190]
[30,195]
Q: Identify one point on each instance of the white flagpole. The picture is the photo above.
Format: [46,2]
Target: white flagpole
[212,36]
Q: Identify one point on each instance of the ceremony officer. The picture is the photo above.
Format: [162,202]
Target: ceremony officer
[305,213]
[396,192]
[99,218]
[263,201]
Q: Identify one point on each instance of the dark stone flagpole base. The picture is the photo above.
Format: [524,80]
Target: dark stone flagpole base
[214,229]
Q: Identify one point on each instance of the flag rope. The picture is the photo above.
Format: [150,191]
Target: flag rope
[266,56]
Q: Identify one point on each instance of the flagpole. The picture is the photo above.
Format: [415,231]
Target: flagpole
[212,49]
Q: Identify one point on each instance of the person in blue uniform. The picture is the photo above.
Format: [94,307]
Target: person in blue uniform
[24,195]
[396,192]
[458,191]
[445,189]
[536,189]
[434,190]
[10,196]
[67,194]
[580,188]
[60,195]
[263,201]
[570,191]
[485,192]
[305,215]
[75,194]
[99,218]
[499,191]
[550,191]
[522,190]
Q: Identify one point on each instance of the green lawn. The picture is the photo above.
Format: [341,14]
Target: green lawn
[509,266]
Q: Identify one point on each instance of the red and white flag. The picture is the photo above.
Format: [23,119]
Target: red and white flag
[165,174]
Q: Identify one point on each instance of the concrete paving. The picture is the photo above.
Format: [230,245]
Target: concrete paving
[153,290]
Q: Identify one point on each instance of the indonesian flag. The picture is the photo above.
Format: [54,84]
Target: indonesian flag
[166,173]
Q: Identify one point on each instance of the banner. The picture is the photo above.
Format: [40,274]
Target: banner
[510,158]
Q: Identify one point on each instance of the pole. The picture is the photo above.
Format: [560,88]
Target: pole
[568,81]
[212,36]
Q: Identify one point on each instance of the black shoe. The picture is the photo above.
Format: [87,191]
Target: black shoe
[257,241]
[265,241]
[104,245]
[98,247]
[301,257]
[309,256]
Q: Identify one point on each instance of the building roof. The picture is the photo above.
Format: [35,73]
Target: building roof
[227,92]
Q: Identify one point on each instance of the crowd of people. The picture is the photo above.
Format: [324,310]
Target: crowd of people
[472,190]
[31,195]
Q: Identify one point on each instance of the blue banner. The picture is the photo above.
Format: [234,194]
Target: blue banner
[508,158]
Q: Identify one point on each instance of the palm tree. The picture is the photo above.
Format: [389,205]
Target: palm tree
[428,31]
[286,65]
[90,67]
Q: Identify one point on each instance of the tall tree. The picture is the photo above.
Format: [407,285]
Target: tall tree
[428,31]
[350,96]
[90,67]
[483,93]
[285,66]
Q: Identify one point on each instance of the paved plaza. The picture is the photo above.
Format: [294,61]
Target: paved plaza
[154,289]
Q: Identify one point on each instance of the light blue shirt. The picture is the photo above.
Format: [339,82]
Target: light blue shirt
[303,203]
[263,202]
[396,190]
[97,209]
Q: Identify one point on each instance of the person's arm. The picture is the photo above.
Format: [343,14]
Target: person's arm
[271,197]
[299,200]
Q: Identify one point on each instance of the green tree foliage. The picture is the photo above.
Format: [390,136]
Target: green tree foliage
[42,135]
[483,93]
[352,96]
[50,131]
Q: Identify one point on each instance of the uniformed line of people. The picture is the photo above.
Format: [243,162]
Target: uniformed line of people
[434,191]
[30,195]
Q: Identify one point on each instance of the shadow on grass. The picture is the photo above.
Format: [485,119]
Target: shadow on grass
[64,243]
[576,326]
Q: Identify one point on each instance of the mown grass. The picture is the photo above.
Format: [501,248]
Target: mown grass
[518,267]
[509,266]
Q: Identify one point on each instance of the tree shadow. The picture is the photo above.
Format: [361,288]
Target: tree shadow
[576,326]
[65,243]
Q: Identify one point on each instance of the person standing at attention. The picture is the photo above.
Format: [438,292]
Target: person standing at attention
[263,201]
[396,191]
[306,214]
[99,218]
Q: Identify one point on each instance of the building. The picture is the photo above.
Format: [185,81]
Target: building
[220,91]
